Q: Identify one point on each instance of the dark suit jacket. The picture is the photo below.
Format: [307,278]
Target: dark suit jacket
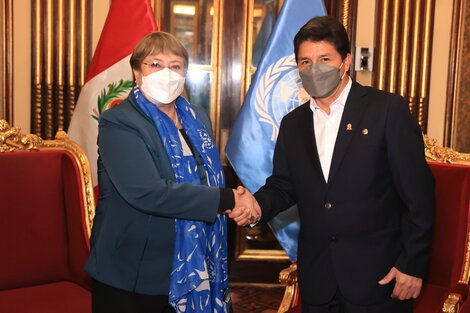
[376,211]
[133,233]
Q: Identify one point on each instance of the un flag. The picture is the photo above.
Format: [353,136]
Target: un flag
[275,91]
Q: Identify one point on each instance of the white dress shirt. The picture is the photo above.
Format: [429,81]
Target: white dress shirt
[327,126]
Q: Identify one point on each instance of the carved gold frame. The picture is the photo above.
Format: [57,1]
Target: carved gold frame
[437,153]
[11,140]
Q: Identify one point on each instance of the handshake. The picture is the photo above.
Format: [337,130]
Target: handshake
[247,210]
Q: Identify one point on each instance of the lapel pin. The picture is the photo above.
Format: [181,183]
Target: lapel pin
[365,131]
[349,127]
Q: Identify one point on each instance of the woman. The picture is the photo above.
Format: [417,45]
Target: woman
[159,235]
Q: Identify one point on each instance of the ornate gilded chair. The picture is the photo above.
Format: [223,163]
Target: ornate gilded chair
[46,212]
[447,285]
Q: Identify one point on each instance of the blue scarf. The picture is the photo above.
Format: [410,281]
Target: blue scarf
[199,277]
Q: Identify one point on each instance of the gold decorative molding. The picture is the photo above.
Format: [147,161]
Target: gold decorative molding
[288,277]
[452,303]
[346,14]
[12,140]
[443,154]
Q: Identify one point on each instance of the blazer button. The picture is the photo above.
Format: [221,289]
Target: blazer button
[333,239]
[328,205]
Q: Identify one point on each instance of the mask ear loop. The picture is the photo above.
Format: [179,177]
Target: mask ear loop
[341,77]
[339,68]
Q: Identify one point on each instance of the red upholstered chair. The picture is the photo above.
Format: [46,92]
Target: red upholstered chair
[447,285]
[465,308]
[46,210]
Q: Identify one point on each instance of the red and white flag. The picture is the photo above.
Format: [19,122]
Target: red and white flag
[109,78]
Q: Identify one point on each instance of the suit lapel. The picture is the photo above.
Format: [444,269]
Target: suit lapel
[349,126]
[308,137]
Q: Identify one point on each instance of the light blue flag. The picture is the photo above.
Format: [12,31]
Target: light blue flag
[275,91]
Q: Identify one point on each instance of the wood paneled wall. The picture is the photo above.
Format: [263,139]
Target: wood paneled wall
[60,55]
[403,41]
[346,12]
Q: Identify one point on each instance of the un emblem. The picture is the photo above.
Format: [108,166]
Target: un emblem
[278,92]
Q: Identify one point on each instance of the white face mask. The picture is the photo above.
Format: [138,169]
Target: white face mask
[162,87]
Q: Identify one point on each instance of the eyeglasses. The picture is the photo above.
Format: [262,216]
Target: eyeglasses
[155,66]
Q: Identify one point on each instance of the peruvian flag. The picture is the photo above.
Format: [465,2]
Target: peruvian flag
[109,78]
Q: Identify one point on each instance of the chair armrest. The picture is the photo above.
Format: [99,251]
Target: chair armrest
[288,277]
[455,298]
[452,303]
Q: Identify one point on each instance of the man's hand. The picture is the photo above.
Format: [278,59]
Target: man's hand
[406,286]
[247,210]
[255,214]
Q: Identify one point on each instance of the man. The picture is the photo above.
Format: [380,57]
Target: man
[352,159]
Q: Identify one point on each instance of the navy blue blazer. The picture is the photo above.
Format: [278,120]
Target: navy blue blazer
[375,211]
[133,234]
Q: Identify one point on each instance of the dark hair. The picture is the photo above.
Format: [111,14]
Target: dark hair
[323,28]
[155,43]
